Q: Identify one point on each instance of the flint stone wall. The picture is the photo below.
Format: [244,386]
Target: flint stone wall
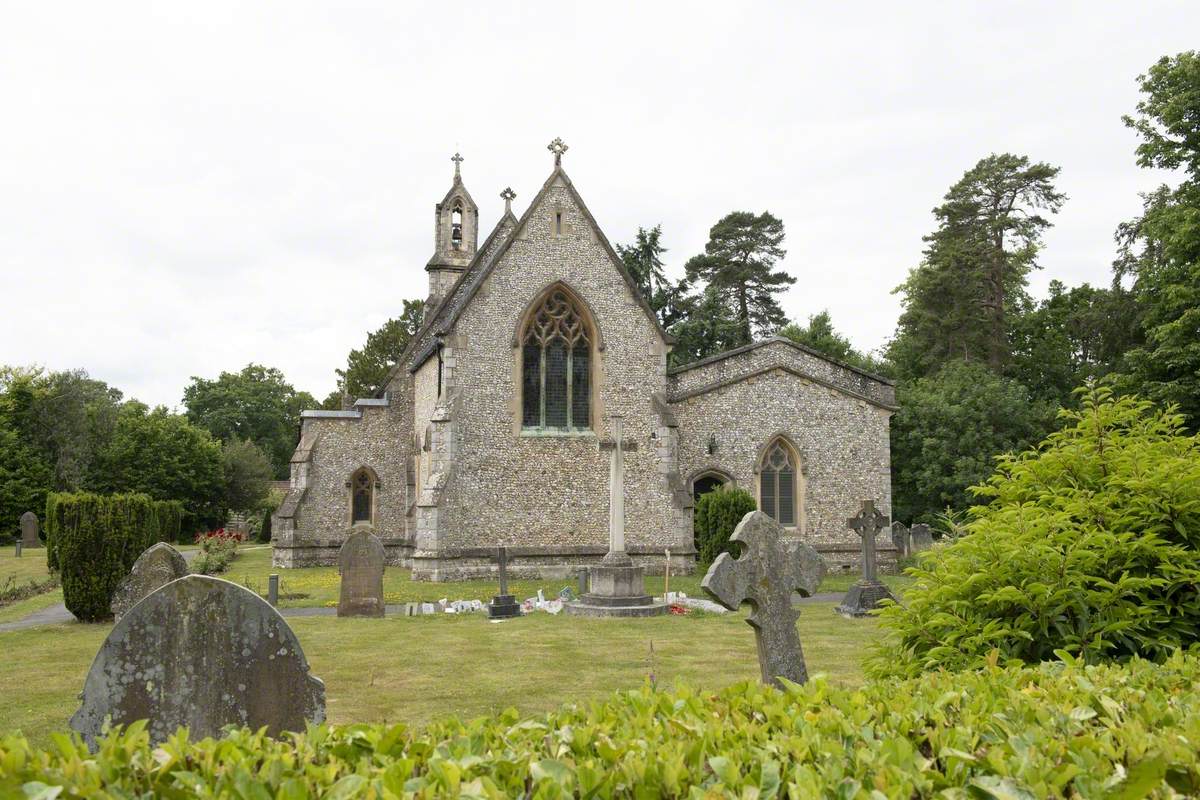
[749,399]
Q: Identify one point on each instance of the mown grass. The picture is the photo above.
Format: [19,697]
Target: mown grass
[16,572]
[318,586]
[416,669]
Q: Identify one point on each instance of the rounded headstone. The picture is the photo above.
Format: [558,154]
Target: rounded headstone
[203,653]
[29,530]
[361,564]
[156,567]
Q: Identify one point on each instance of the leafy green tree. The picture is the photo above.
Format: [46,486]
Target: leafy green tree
[958,303]
[717,515]
[738,264]
[1073,335]
[948,432]
[820,335]
[1089,544]
[247,475]
[257,404]
[25,480]
[1160,251]
[669,301]
[165,456]
[66,417]
[707,328]
[367,369]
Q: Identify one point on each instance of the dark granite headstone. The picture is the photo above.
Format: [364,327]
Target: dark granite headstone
[29,530]
[156,567]
[900,538]
[503,605]
[200,652]
[766,574]
[921,537]
[864,596]
[361,564]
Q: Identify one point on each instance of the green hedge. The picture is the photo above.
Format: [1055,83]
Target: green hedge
[717,513]
[1060,729]
[170,520]
[94,540]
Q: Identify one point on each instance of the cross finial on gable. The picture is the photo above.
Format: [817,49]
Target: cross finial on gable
[508,194]
[558,147]
[457,159]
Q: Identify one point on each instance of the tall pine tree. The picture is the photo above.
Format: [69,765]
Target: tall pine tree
[738,265]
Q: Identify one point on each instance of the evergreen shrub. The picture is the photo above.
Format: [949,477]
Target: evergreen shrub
[717,513]
[95,540]
[1089,545]
[1055,730]
[264,530]
[170,520]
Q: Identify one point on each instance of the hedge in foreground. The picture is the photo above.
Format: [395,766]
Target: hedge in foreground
[1060,729]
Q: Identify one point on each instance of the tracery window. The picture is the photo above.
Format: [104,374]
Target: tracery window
[362,489]
[556,367]
[777,484]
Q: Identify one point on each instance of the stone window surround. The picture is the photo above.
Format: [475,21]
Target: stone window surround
[375,487]
[596,367]
[800,490]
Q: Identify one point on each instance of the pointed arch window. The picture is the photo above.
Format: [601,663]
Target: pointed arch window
[777,487]
[556,360]
[362,496]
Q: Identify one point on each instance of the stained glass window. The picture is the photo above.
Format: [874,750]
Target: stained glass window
[362,486]
[556,368]
[777,484]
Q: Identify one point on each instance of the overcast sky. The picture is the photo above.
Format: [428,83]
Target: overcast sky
[186,188]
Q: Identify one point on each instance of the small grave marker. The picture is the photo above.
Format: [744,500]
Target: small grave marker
[766,574]
[921,537]
[156,567]
[361,565]
[29,530]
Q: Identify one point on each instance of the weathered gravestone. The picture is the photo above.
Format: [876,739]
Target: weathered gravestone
[156,567]
[920,538]
[361,564]
[900,538]
[29,530]
[769,569]
[864,596]
[205,653]
[503,605]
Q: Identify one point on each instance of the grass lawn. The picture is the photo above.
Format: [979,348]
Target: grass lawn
[415,669]
[15,572]
[318,586]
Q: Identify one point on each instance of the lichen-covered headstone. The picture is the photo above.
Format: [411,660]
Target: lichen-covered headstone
[360,564]
[766,574]
[29,530]
[920,538]
[156,567]
[900,538]
[203,653]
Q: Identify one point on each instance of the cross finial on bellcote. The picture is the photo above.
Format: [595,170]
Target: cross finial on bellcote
[508,194]
[457,159]
[558,147]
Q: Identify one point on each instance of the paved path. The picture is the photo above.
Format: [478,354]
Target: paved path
[58,614]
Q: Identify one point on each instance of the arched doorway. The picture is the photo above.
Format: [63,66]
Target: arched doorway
[708,481]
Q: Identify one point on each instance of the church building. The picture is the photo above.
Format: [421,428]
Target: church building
[490,430]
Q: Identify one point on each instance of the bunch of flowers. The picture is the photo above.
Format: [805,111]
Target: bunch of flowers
[217,549]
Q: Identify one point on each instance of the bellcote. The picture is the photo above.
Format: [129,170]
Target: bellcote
[456,225]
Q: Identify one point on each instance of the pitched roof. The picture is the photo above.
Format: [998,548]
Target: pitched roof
[779,340]
[468,285]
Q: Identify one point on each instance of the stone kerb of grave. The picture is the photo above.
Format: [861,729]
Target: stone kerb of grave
[769,569]
[361,564]
[156,567]
[29,530]
[200,652]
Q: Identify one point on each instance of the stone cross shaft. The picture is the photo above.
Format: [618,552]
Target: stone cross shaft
[769,569]
[868,524]
[502,560]
[616,493]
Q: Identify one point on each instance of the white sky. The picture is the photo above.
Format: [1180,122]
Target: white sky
[186,188]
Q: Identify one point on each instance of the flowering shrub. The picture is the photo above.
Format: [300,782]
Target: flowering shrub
[217,549]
